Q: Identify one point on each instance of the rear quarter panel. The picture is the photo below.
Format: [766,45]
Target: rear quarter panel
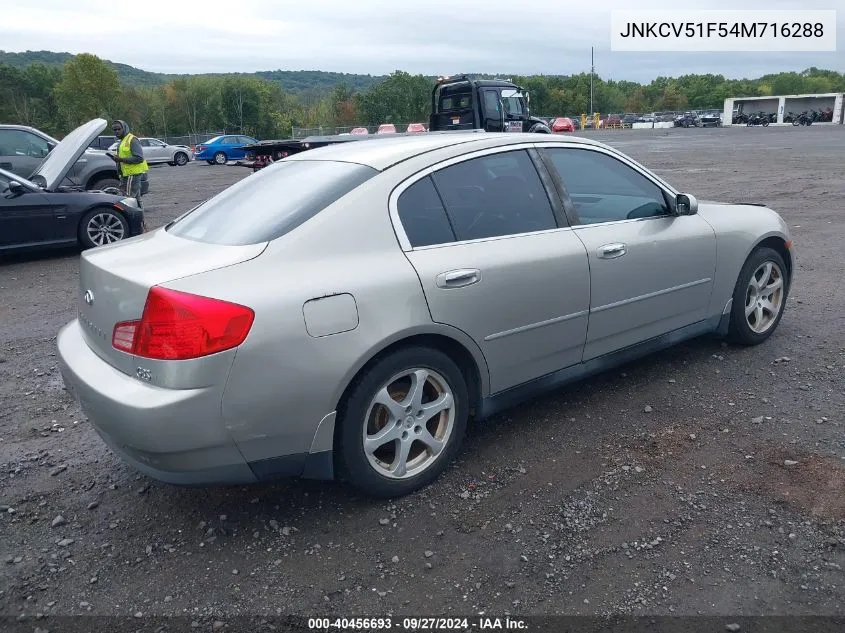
[739,229]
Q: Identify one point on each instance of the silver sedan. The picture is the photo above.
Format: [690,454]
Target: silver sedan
[346,311]
[157,152]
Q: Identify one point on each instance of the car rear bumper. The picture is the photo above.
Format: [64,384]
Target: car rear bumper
[173,435]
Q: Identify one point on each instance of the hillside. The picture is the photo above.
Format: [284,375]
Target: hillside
[291,81]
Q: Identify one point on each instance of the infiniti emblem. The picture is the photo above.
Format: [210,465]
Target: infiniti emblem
[89,297]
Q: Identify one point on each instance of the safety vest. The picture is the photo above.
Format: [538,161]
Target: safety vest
[124,150]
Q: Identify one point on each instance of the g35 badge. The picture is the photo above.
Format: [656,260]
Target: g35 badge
[143,374]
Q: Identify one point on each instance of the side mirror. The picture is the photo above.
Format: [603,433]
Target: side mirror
[686,204]
[16,188]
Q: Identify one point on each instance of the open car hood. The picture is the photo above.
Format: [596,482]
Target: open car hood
[53,169]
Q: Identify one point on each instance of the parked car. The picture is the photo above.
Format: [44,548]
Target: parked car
[359,130]
[24,148]
[157,152]
[562,124]
[42,213]
[688,119]
[221,149]
[386,128]
[712,118]
[249,338]
[414,128]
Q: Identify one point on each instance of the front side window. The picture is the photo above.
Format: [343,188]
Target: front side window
[604,189]
[22,143]
[271,202]
[495,195]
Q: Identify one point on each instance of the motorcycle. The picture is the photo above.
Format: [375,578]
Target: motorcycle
[758,119]
[789,118]
[805,118]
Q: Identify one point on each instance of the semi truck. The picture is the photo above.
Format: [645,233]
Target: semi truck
[458,103]
[492,105]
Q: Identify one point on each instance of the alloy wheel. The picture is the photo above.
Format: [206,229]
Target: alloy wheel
[764,297]
[408,423]
[105,228]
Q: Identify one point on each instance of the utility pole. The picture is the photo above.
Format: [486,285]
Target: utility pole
[592,71]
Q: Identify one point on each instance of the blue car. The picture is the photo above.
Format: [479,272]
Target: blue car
[222,149]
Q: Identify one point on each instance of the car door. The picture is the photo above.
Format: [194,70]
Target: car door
[496,260]
[21,151]
[651,271]
[157,151]
[25,218]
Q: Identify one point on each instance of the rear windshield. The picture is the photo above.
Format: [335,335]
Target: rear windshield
[271,202]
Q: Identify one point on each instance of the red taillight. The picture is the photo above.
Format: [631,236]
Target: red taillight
[200,148]
[178,325]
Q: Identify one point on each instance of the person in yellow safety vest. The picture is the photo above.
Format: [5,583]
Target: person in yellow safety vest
[130,161]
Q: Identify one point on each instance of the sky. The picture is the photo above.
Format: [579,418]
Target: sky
[431,37]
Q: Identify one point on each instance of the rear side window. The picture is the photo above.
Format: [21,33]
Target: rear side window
[423,216]
[495,195]
[271,202]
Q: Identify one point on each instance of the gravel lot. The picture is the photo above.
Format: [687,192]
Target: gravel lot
[707,479]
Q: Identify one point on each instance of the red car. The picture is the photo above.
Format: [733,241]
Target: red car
[563,124]
[386,128]
[415,127]
[359,130]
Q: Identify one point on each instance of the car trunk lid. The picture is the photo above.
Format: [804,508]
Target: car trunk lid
[114,282]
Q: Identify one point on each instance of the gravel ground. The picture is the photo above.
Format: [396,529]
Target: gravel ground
[705,480]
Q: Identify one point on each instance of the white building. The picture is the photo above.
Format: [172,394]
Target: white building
[785,104]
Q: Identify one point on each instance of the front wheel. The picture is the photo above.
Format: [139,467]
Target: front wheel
[181,159]
[765,123]
[402,423]
[759,297]
[102,226]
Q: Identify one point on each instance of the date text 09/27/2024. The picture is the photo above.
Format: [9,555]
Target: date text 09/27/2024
[479,623]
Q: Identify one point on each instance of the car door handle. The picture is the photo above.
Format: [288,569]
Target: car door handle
[458,278]
[612,251]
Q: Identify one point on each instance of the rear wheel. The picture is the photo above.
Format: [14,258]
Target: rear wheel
[759,297]
[402,423]
[220,158]
[102,226]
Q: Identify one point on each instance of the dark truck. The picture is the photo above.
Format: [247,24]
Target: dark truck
[457,104]
[492,105]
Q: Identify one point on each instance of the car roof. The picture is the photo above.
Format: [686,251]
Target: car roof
[382,152]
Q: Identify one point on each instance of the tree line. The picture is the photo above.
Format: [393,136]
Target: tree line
[56,99]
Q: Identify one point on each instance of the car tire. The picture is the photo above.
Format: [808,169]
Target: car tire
[360,414]
[105,183]
[764,264]
[220,158]
[181,159]
[102,226]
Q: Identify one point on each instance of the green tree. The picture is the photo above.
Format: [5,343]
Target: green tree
[88,88]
